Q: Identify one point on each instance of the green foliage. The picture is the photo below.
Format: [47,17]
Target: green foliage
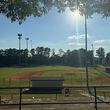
[21,9]
[108,58]
[44,56]
[101,54]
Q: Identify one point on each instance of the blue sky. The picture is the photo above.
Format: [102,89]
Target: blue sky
[56,30]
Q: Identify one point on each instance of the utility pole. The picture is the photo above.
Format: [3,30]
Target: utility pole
[19,38]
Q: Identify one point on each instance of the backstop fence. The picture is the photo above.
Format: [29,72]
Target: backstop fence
[72,95]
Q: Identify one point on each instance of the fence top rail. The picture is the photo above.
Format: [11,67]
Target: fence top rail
[104,86]
[91,86]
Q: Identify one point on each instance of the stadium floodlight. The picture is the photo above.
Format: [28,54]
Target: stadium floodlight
[27,42]
[19,38]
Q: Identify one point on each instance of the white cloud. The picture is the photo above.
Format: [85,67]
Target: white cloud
[82,36]
[77,40]
[78,37]
[99,41]
[76,44]
[72,37]
[102,42]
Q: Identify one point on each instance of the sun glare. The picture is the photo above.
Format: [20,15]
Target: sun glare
[73,16]
[76,13]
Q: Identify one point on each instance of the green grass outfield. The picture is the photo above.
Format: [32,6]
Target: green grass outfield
[72,75]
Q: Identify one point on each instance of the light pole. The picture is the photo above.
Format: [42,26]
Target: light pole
[86,58]
[93,54]
[31,44]
[85,27]
[27,42]
[19,38]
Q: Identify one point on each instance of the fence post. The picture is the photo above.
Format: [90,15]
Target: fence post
[0,99]
[104,96]
[29,83]
[20,98]
[95,98]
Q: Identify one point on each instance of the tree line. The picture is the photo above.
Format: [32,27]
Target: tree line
[46,56]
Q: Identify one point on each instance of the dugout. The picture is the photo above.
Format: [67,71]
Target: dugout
[107,69]
[46,85]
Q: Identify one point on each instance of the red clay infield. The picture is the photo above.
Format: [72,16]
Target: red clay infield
[26,75]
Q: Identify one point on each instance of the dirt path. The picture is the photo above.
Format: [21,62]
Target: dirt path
[26,75]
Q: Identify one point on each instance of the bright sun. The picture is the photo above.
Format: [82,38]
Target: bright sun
[73,16]
[76,13]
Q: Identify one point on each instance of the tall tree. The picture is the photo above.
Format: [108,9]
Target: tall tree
[32,51]
[81,56]
[21,9]
[90,57]
[40,51]
[61,52]
[52,52]
[108,58]
[2,55]
[24,56]
[46,52]
[11,56]
[101,54]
